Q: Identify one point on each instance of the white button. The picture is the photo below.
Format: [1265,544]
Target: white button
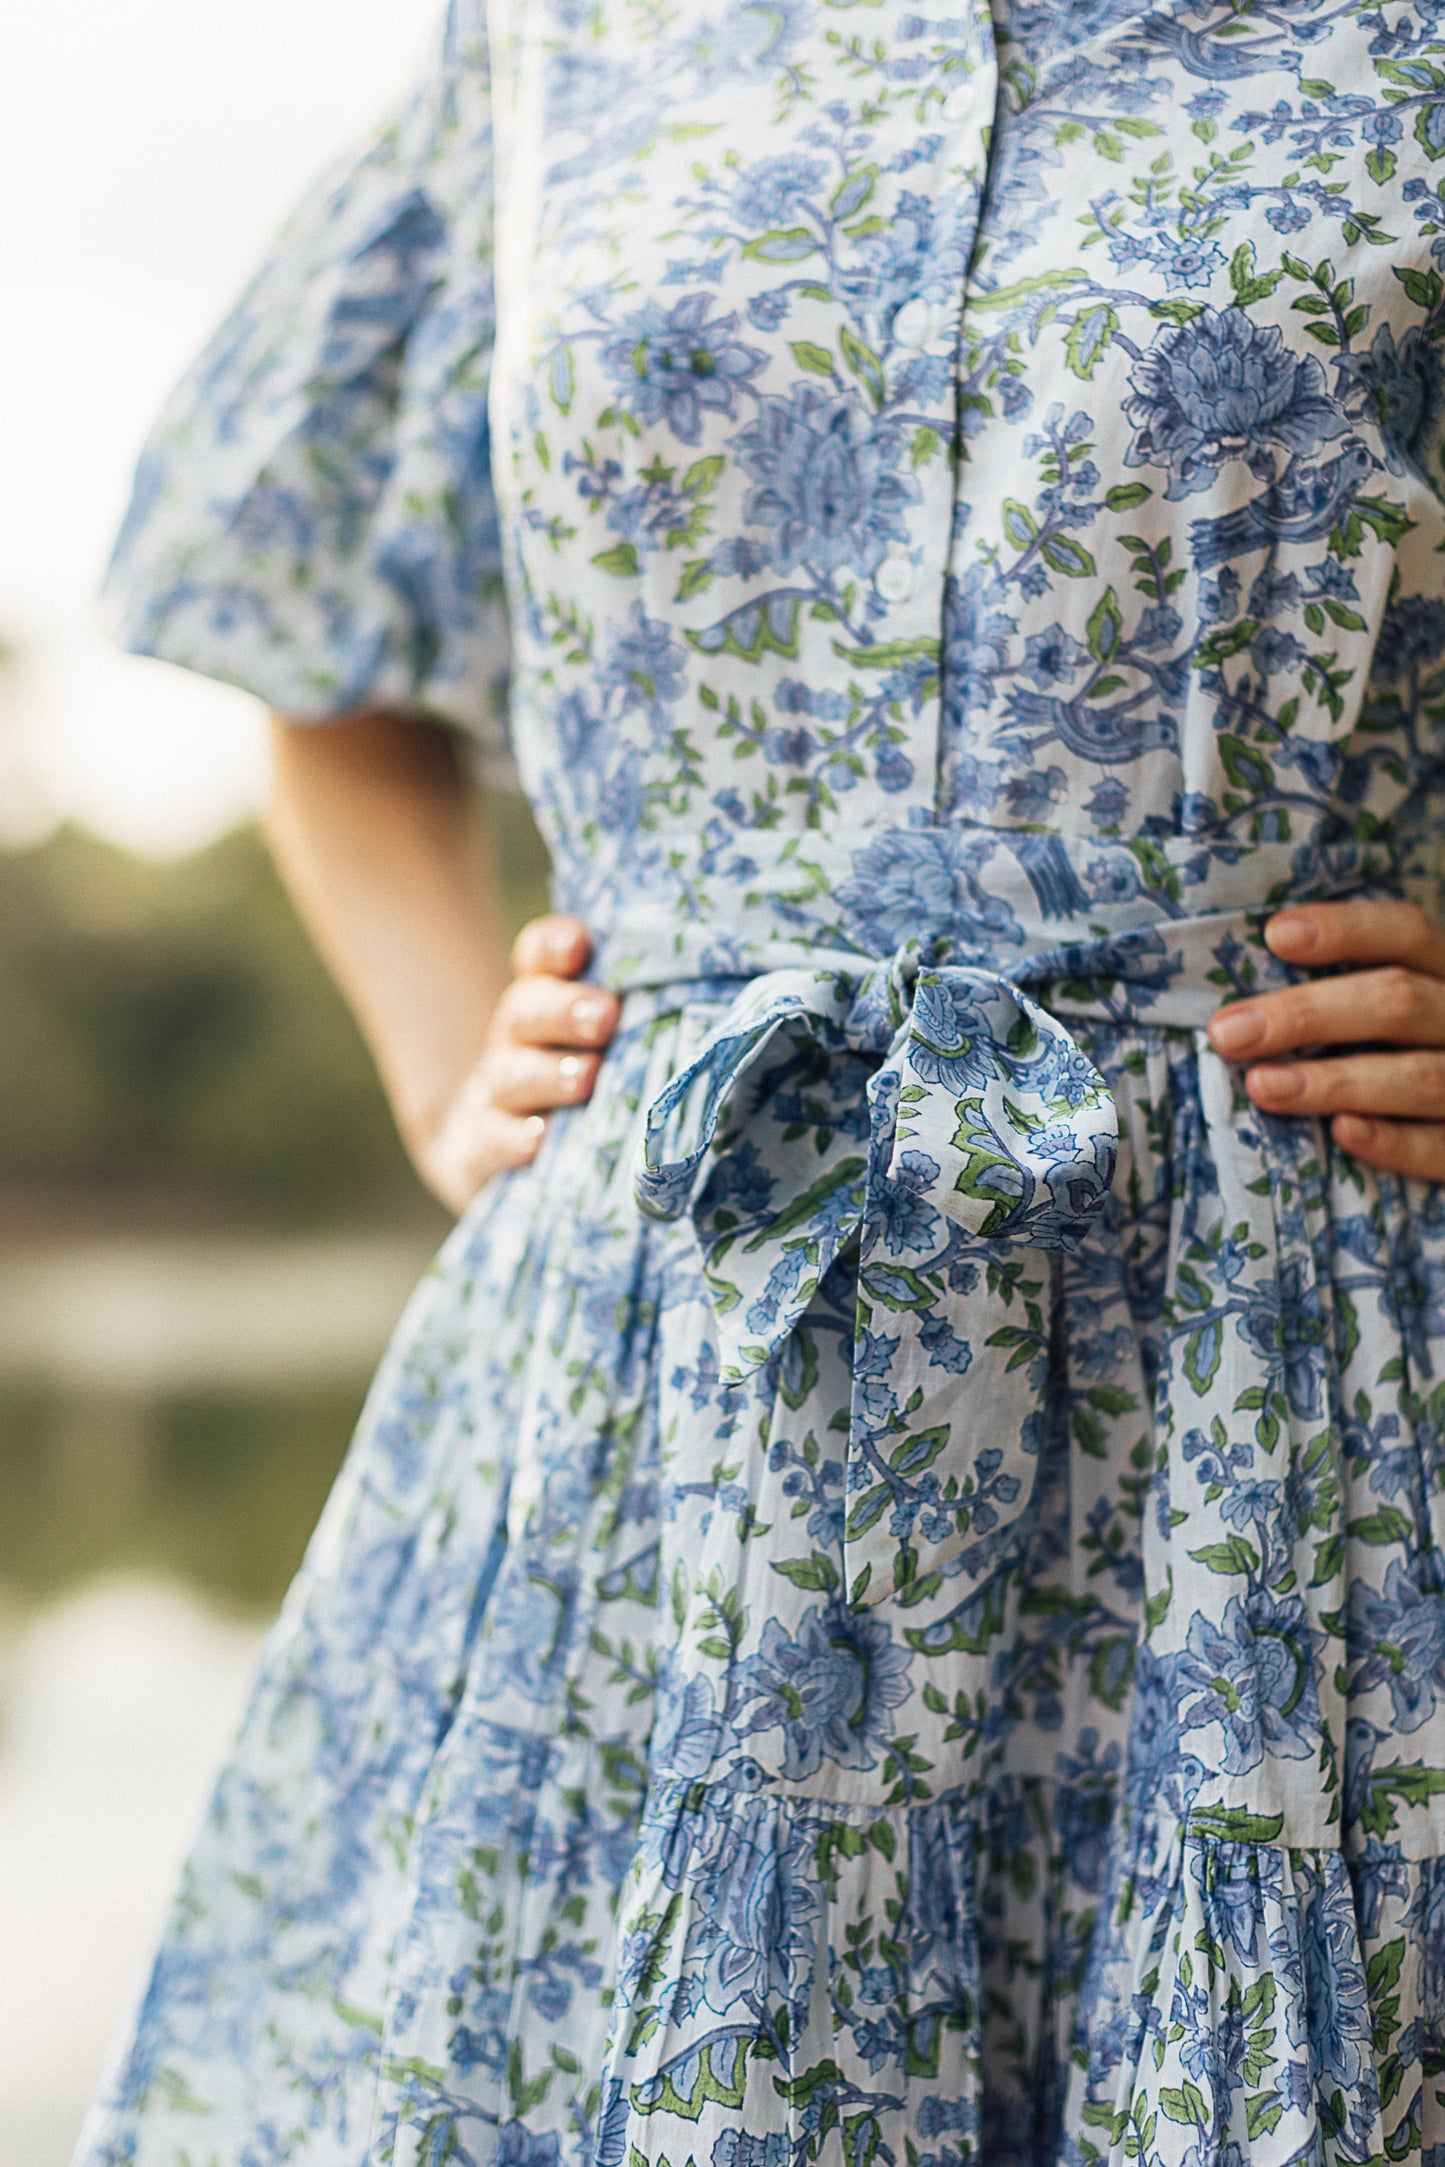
[913,325]
[958,104]
[895,578]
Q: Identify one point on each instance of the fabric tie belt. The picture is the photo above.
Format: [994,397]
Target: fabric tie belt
[937,1115]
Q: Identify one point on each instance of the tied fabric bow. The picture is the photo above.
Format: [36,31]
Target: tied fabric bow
[941,1119]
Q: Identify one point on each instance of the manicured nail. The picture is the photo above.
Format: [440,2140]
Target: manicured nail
[1279,1082]
[590,1015]
[536,1126]
[1238,1031]
[1352,1132]
[1295,930]
[570,1068]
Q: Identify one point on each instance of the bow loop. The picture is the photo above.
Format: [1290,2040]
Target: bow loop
[764,1135]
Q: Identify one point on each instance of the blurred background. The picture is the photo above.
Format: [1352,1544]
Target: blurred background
[207,1227]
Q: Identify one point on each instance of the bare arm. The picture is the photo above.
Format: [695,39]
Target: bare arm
[375,832]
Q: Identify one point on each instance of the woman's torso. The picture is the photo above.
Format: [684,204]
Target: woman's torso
[1166,282]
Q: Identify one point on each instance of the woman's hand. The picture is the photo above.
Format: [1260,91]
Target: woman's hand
[543,1050]
[1385,1107]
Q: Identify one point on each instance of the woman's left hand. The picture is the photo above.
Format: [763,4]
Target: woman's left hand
[1386,1105]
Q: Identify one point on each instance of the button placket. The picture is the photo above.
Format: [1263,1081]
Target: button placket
[970,102]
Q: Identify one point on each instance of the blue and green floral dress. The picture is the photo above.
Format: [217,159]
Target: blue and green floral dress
[888,1607]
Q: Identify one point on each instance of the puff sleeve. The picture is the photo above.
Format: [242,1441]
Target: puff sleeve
[313,517]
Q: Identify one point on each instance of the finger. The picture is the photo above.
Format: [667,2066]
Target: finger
[538,1011]
[1402,1007]
[559,944]
[1363,931]
[525,1080]
[476,1146]
[1394,1147]
[1411,1085]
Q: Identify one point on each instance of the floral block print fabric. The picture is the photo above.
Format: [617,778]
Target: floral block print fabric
[887,1609]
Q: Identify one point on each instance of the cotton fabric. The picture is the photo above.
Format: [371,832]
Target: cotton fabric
[887,1604]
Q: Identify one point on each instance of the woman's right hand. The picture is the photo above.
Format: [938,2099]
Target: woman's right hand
[543,1050]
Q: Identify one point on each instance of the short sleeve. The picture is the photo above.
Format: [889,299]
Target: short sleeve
[313,517]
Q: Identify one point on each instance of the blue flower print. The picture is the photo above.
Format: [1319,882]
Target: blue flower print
[831,1688]
[828,484]
[944,1348]
[1427,1915]
[1032,796]
[1083,1806]
[916,1170]
[741,1182]
[918,258]
[770,191]
[734,2148]
[1155,1732]
[687,1727]
[904,1221]
[1397,1639]
[953,1040]
[517,2146]
[678,364]
[1254,1676]
[1412,637]
[1188,262]
[1211,389]
[928,880]
[1335,1995]
[789,748]
[976,630]
[762,1915]
[1052,656]
[767,310]
[646,666]
[872,1387]
[613,2122]
[651,514]
[1404,385]
[1285,1324]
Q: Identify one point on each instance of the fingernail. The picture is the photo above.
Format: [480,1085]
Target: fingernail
[570,1069]
[536,1126]
[1237,1031]
[590,1015]
[1299,932]
[1278,1082]
[1352,1132]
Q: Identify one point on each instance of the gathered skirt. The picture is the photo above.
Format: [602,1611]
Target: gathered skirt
[577,1815]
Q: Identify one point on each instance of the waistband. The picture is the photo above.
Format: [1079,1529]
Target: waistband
[1164,929]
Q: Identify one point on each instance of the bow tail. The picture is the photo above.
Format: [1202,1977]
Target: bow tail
[949,1362]
[936,1488]
[994,1145]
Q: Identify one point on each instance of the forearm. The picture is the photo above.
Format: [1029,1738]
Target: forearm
[375,832]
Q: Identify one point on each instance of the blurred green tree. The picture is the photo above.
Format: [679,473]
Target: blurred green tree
[169,1040]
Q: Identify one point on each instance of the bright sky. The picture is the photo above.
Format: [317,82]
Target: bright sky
[148,149]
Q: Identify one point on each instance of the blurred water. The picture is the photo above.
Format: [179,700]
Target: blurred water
[116,1706]
[172,1410]
[178,1404]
